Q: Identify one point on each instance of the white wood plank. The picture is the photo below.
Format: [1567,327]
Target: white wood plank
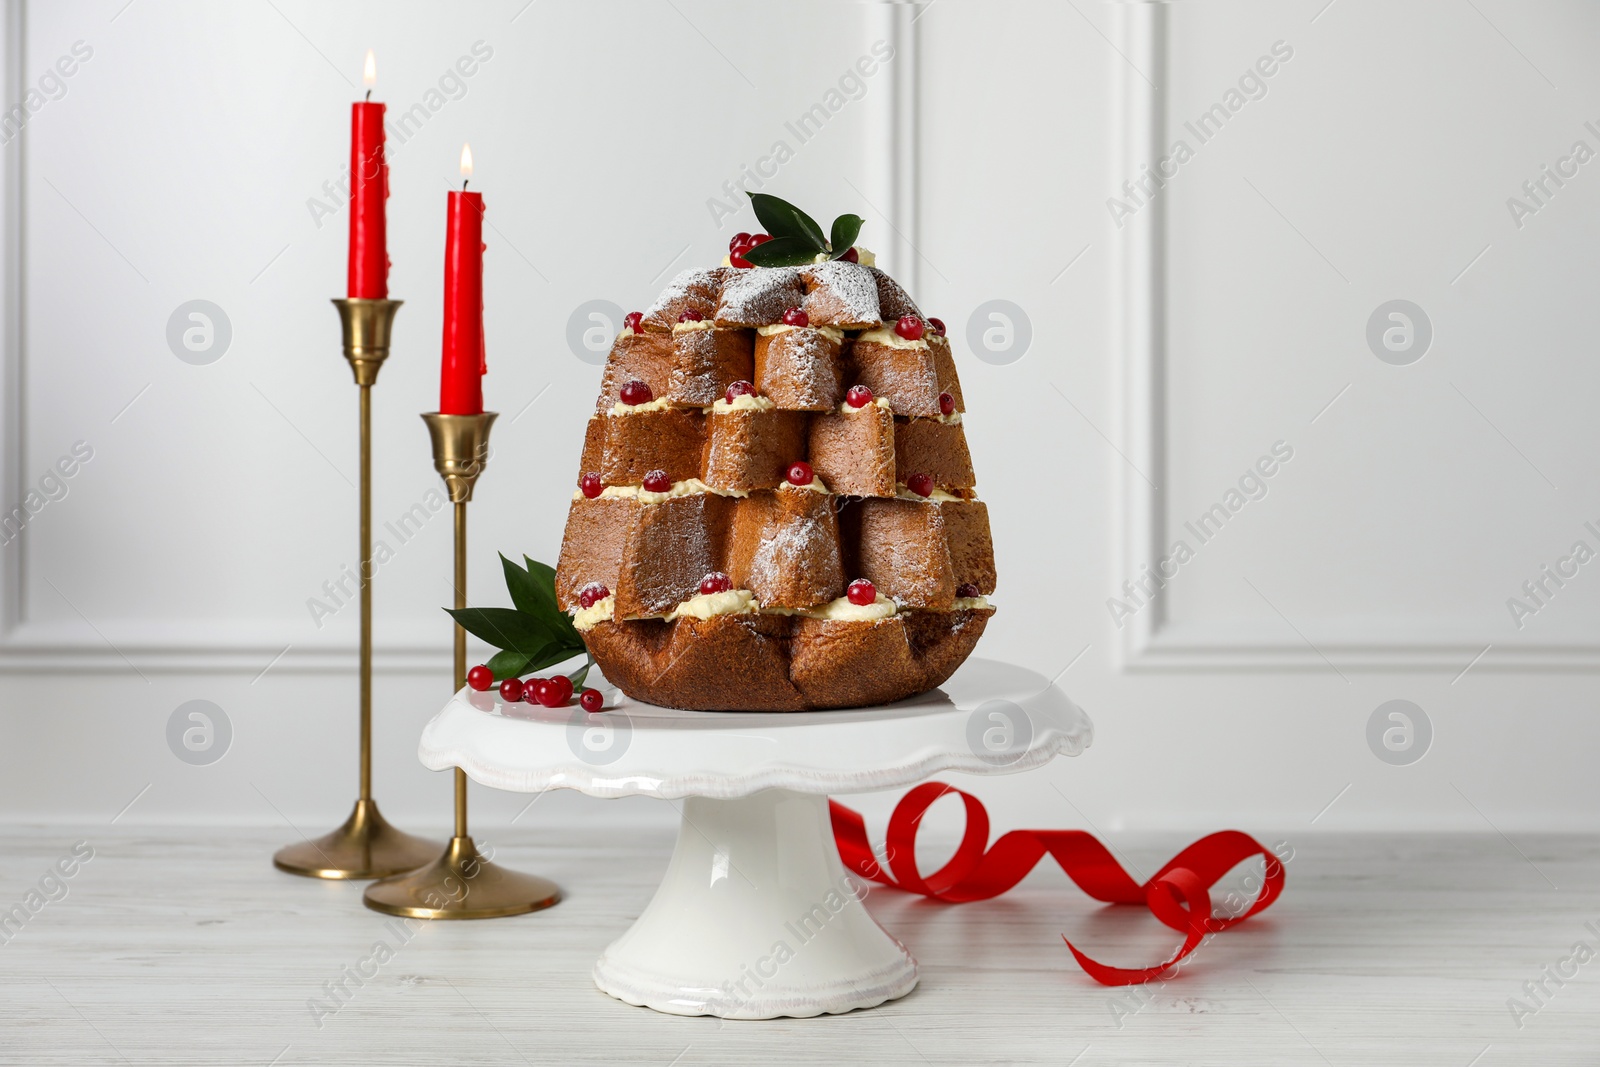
[177,947]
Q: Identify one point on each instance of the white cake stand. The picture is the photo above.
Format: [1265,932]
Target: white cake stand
[756,917]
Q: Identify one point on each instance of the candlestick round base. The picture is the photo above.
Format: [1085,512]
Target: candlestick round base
[366,846]
[461,884]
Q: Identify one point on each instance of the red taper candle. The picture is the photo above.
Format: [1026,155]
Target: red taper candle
[369,193]
[465,362]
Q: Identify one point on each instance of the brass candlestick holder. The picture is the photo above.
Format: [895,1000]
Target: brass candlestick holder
[365,846]
[461,884]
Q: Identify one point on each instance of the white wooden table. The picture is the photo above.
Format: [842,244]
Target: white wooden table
[179,947]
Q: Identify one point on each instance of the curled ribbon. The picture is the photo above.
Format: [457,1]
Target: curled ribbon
[1177,895]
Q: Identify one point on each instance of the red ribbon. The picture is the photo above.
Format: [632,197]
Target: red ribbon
[1177,894]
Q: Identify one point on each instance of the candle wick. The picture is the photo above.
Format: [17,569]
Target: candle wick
[464,182]
[369,96]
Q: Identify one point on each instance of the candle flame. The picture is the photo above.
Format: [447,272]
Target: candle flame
[369,70]
[466,161]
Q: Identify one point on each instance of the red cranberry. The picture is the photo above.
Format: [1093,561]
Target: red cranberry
[947,404]
[800,473]
[635,392]
[715,582]
[759,239]
[967,590]
[690,315]
[796,317]
[480,678]
[511,690]
[738,389]
[909,327]
[859,396]
[657,482]
[920,484]
[591,700]
[738,240]
[938,326]
[591,485]
[861,593]
[851,255]
[555,692]
[632,321]
[533,690]
[592,594]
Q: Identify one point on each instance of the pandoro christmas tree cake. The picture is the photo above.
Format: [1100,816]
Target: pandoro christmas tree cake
[776,508]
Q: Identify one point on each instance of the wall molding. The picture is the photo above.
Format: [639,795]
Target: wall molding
[1150,640]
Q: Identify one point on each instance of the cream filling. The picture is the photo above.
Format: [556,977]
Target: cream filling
[877,402]
[832,333]
[590,617]
[939,495]
[746,402]
[619,408]
[693,324]
[949,420]
[813,486]
[743,602]
[842,610]
[705,605]
[644,496]
[863,255]
[885,335]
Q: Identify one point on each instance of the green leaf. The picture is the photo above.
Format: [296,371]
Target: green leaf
[513,630]
[782,219]
[846,228]
[581,674]
[508,665]
[524,590]
[782,252]
[544,580]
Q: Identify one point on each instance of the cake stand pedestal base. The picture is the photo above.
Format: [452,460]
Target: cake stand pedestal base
[756,918]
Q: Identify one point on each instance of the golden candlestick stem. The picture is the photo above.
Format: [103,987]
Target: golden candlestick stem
[461,884]
[366,846]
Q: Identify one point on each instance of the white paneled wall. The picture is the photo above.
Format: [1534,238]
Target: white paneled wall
[1176,339]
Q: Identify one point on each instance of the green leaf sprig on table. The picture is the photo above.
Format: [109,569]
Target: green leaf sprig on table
[796,237]
[532,634]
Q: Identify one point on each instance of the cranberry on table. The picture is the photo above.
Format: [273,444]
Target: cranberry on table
[938,326]
[591,700]
[632,321]
[511,690]
[800,473]
[861,593]
[691,315]
[851,255]
[657,482]
[592,594]
[859,396]
[920,484]
[591,485]
[967,591]
[635,392]
[738,389]
[480,678]
[715,582]
[796,317]
[947,404]
[556,691]
[909,327]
